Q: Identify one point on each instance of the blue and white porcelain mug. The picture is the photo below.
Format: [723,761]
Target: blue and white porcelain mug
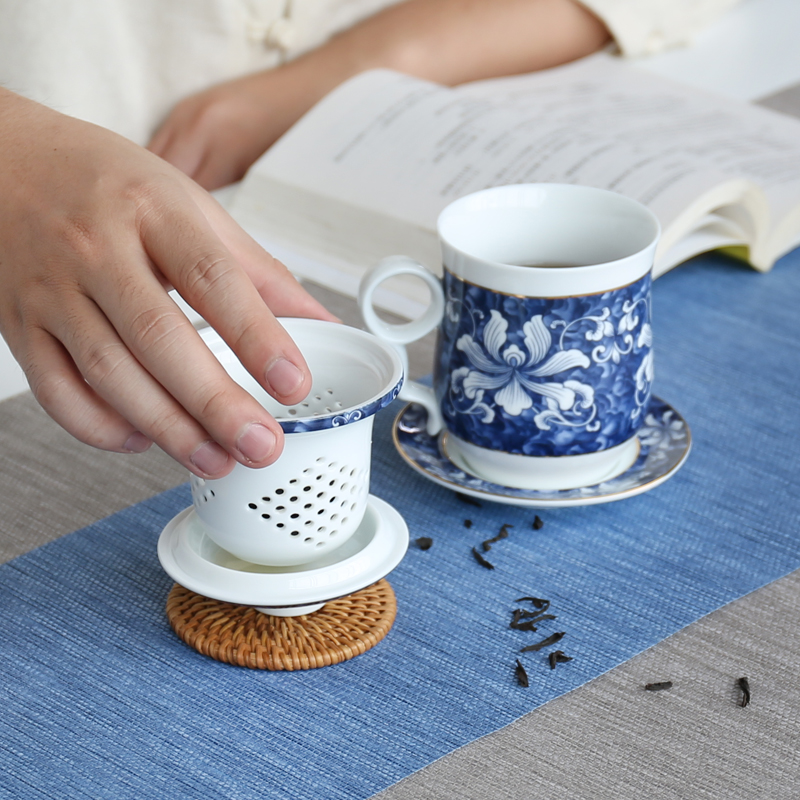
[544,356]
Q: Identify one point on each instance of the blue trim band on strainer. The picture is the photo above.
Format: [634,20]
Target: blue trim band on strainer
[336,420]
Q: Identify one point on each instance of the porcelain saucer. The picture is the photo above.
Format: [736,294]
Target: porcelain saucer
[664,444]
[189,557]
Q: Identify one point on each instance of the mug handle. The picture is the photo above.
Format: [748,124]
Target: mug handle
[405,333]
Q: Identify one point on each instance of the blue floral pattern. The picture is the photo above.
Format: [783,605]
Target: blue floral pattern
[544,377]
[339,418]
[664,440]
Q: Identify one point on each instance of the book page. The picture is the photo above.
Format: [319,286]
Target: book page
[655,115]
[366,172]
[406,148]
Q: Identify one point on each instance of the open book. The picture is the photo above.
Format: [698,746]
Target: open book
[366,172]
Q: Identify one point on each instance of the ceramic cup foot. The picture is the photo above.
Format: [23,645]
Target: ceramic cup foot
[296,611]
[543,474]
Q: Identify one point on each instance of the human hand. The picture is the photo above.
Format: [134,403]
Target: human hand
[214,136]
[93,232]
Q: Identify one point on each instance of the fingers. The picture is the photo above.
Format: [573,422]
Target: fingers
[172,383]
[171,143]
[212,281]
[62,392]
[278,288]
[217,169]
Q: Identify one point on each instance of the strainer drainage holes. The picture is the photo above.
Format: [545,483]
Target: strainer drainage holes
[320,459]
[329,391]
[320,544]
[321,529]
[280,508]
[321,511]
[353,506]
[306,488]
[265,516]
[308,539]
[294,516]
[292,411]
[293,480]
[293,499]
[279,491]
[280,525]
[252,505]
[295,533]
[308,505]
[332,499]
[267,499]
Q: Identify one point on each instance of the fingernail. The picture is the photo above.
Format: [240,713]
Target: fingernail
[256,443]
[137,443]
[209,458]
[284,377]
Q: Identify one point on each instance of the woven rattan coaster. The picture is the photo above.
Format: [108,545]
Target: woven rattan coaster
[240,635]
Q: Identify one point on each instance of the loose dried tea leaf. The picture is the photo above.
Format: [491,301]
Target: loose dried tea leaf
[658,687]
[533,648]
[521,613]
[424,542]
[467,523]
[531,624]
[744,685]
[538,602]
[470,501]
[522,676]
[487,545]
[558,657]
[481,560]
[538,523]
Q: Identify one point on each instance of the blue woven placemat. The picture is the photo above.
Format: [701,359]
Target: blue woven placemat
[100,700]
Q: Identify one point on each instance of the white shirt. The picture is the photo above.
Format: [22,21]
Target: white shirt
[644,27]
[124,64]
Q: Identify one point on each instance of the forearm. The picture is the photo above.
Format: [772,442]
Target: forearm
[454,41]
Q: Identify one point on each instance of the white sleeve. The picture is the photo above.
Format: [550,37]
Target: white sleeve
[644,27]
